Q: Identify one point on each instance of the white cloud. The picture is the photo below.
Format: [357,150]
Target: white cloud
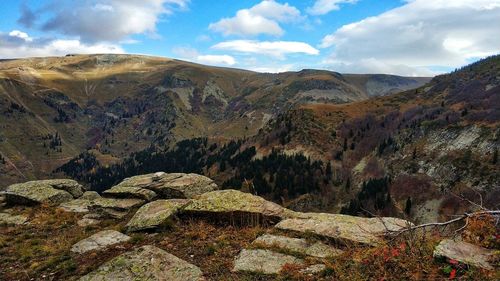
[216,59]
[18,44]
[22,35]
[191,54]
[263,18]
[276,49]
[418,36]
[323,7]
[104,20]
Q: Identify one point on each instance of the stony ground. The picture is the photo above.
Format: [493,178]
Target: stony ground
[49,242]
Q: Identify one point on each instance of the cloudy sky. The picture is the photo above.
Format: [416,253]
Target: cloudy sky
[405,37]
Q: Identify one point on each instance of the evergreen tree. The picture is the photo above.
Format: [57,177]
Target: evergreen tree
[408,206]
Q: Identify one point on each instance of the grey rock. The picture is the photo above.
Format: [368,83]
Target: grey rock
[168,186]
[12,220]
[87,222]
[99,241]
[43,191]
[112,207]
[80,205]
[466,253]
[302,246]
[146,263]
[263,261]
[156,214]
[124,191]
[313,269]
[347,229]
[237,205]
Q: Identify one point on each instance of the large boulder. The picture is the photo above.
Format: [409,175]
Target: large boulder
[298,245]
[238,206]
[167,186]
[156,214]
[466,253]
[146,263]
[344,228]
[263,261]
[80,205]
[43,191]
[99,241]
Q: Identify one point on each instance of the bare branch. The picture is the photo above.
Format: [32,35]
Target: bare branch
[446,223]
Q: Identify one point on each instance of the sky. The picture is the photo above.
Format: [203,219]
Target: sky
[402,37]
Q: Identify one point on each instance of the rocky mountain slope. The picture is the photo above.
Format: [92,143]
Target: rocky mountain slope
[183,227]
[52,109]
[425,154]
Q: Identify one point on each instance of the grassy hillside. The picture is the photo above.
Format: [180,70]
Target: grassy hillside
[52,109]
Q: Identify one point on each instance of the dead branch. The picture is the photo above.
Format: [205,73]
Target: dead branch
[446,223]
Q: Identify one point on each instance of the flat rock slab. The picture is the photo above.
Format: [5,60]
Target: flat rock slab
[313,269]
[112,207]
[80,205]
[346,229]
[11,220]
[43,191]
[146,263]
[302,246]
[167,186]
[125,191]
[156,214]
[99,241]
[87,222]
[466,253]
[233,202]
[263,261]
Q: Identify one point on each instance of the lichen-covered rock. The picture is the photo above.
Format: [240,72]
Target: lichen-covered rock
[81,204]
[84,222]
[99,241]
[302,246]
[156,214]
[466,253]
[43,191]
[263,261]
[344,228]
[238,205]
[175,185]
[112,207]
[125,191]
[9,219]
[146,263]
[313,269]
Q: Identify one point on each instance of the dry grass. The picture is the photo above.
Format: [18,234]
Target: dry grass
[41,251]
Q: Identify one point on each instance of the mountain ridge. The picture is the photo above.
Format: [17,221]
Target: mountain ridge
[161,100]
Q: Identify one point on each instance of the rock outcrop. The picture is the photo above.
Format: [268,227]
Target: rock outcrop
[346,229]
[237,206]
[112,207]
[99,241]
[297,245]
[166,186]
[155,215]
[146,263]
[44,191]
[465,253]
[126,191]
[80,205]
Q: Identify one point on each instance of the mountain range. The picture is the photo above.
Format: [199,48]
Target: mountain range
[310,140]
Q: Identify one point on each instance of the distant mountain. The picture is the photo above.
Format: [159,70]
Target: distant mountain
[425,153]
[52,109]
